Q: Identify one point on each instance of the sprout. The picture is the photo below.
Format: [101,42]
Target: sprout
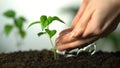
[45,22]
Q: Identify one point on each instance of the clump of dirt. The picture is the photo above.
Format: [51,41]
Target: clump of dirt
[45,59]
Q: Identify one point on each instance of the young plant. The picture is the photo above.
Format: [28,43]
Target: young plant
[18,24]
[45,23]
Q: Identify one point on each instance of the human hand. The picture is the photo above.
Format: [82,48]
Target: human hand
[95,19]
[65,41]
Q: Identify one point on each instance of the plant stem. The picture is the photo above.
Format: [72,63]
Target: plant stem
[53,48]
[17,42]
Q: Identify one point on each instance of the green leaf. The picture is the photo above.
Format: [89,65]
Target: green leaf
[43,19]
[33,23]
[22,33]
[58,19]
[10,14]
[51,19]
[51,33]
[7,29]
[45,22]
[41,33]
[19,23]
[22,19]
[48,21]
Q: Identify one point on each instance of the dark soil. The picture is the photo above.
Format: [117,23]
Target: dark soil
[44,59]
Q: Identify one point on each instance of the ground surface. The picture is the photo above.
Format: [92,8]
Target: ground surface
[44,59]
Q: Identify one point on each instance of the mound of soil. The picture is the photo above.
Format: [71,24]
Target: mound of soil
[44,59]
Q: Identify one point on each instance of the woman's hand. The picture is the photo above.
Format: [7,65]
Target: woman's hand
[95,19]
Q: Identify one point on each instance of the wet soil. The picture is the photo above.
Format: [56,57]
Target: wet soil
[44,59]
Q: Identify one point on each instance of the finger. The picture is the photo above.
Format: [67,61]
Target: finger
[80,12]
[65,31]
[62,33]
[94,25]
[99,25]
[65,38]
[78,43]
[81,25]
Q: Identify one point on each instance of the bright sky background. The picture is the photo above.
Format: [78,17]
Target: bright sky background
[32,10]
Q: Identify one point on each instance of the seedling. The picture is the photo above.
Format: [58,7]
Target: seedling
[18,25]
[45,23]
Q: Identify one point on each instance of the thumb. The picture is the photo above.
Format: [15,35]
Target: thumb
[78,30]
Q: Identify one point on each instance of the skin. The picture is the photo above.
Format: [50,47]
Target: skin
[95,19]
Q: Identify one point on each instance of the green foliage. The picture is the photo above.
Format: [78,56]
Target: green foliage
[7,29]
[22,19]
[51,33]
[45,22]
[10,14]
[41,33]
[22,33]
[33,23]
[18,23]
[58,19]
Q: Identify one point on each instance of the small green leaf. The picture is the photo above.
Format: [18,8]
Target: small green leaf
[41,33]
[51,33]
[22,19]
[22,33]
[48,21]
[33,23]
[43,19]
[58,19]
[10,13]
[45,22]
[7,29]
[19,23]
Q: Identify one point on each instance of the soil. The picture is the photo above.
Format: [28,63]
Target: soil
[44,59]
